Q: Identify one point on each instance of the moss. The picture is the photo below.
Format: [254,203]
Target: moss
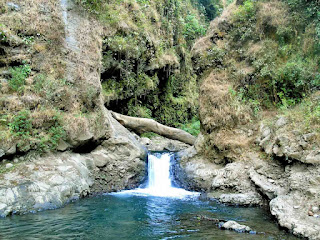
[147,64]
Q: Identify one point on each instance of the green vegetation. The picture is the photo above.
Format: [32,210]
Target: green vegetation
[211,8]
[18,77]
[273,52]
[147,65]
[192,127]
[41,133]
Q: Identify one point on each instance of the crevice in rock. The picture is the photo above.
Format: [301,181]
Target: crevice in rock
[88,146]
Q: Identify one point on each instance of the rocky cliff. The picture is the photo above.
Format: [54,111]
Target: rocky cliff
[260,136]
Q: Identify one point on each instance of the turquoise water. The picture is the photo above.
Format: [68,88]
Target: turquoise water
[139,217]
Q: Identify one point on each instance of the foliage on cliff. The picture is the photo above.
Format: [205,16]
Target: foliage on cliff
[265,54]
[39,105]
[147,66]
[259,60]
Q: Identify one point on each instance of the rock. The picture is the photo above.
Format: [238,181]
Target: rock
[251,198]
[281,122]
[12,150]
[266,131]
[313,157]
[268,188]
[2,153]
[62,146]
[282,207]
[45,183]
[232,225]
[145,141]
[9,165]
[195,172]
[13,7]
[315,209]
[309,136]
[119,163]
[16,160]
[159,143]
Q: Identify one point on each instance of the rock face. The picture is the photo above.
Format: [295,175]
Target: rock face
[51,181]
[288,144]
[229,183]
[286,180]
[292,213]
[120,161]
[44,183]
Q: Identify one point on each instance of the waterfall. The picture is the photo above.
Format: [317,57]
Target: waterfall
[159,172]
[159,179]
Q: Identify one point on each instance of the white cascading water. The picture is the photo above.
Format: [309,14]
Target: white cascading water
[159,180]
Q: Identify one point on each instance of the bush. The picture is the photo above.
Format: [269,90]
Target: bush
[18,77]
[192,127]
[21,124]
[294,79]
[192,28]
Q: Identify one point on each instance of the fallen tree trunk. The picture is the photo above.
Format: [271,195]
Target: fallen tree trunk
[142,125]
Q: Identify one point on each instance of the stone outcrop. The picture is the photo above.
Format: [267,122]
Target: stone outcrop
[44,183]
[51,181]
[228,184]
[290,145]
[278,177]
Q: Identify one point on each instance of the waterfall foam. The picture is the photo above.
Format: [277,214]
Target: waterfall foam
[159,180]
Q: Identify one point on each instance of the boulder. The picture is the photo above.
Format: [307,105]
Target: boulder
[232,225]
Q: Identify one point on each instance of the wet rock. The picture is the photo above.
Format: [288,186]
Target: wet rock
[232,225]
[160,143]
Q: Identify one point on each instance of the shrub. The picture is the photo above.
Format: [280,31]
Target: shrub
[21,124]
[192,127]
[18,77]
[192,28]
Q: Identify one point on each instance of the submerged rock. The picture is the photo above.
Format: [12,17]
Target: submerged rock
[232,225]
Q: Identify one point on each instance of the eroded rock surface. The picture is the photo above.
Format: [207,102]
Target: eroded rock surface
[51,181]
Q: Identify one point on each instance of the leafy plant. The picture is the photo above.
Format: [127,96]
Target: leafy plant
[192,28]
[18,77]
[192,127]
[21,124]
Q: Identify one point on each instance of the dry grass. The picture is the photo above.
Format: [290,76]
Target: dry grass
[217,106]
[201,45]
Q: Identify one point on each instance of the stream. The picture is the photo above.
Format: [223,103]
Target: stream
[157,210]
